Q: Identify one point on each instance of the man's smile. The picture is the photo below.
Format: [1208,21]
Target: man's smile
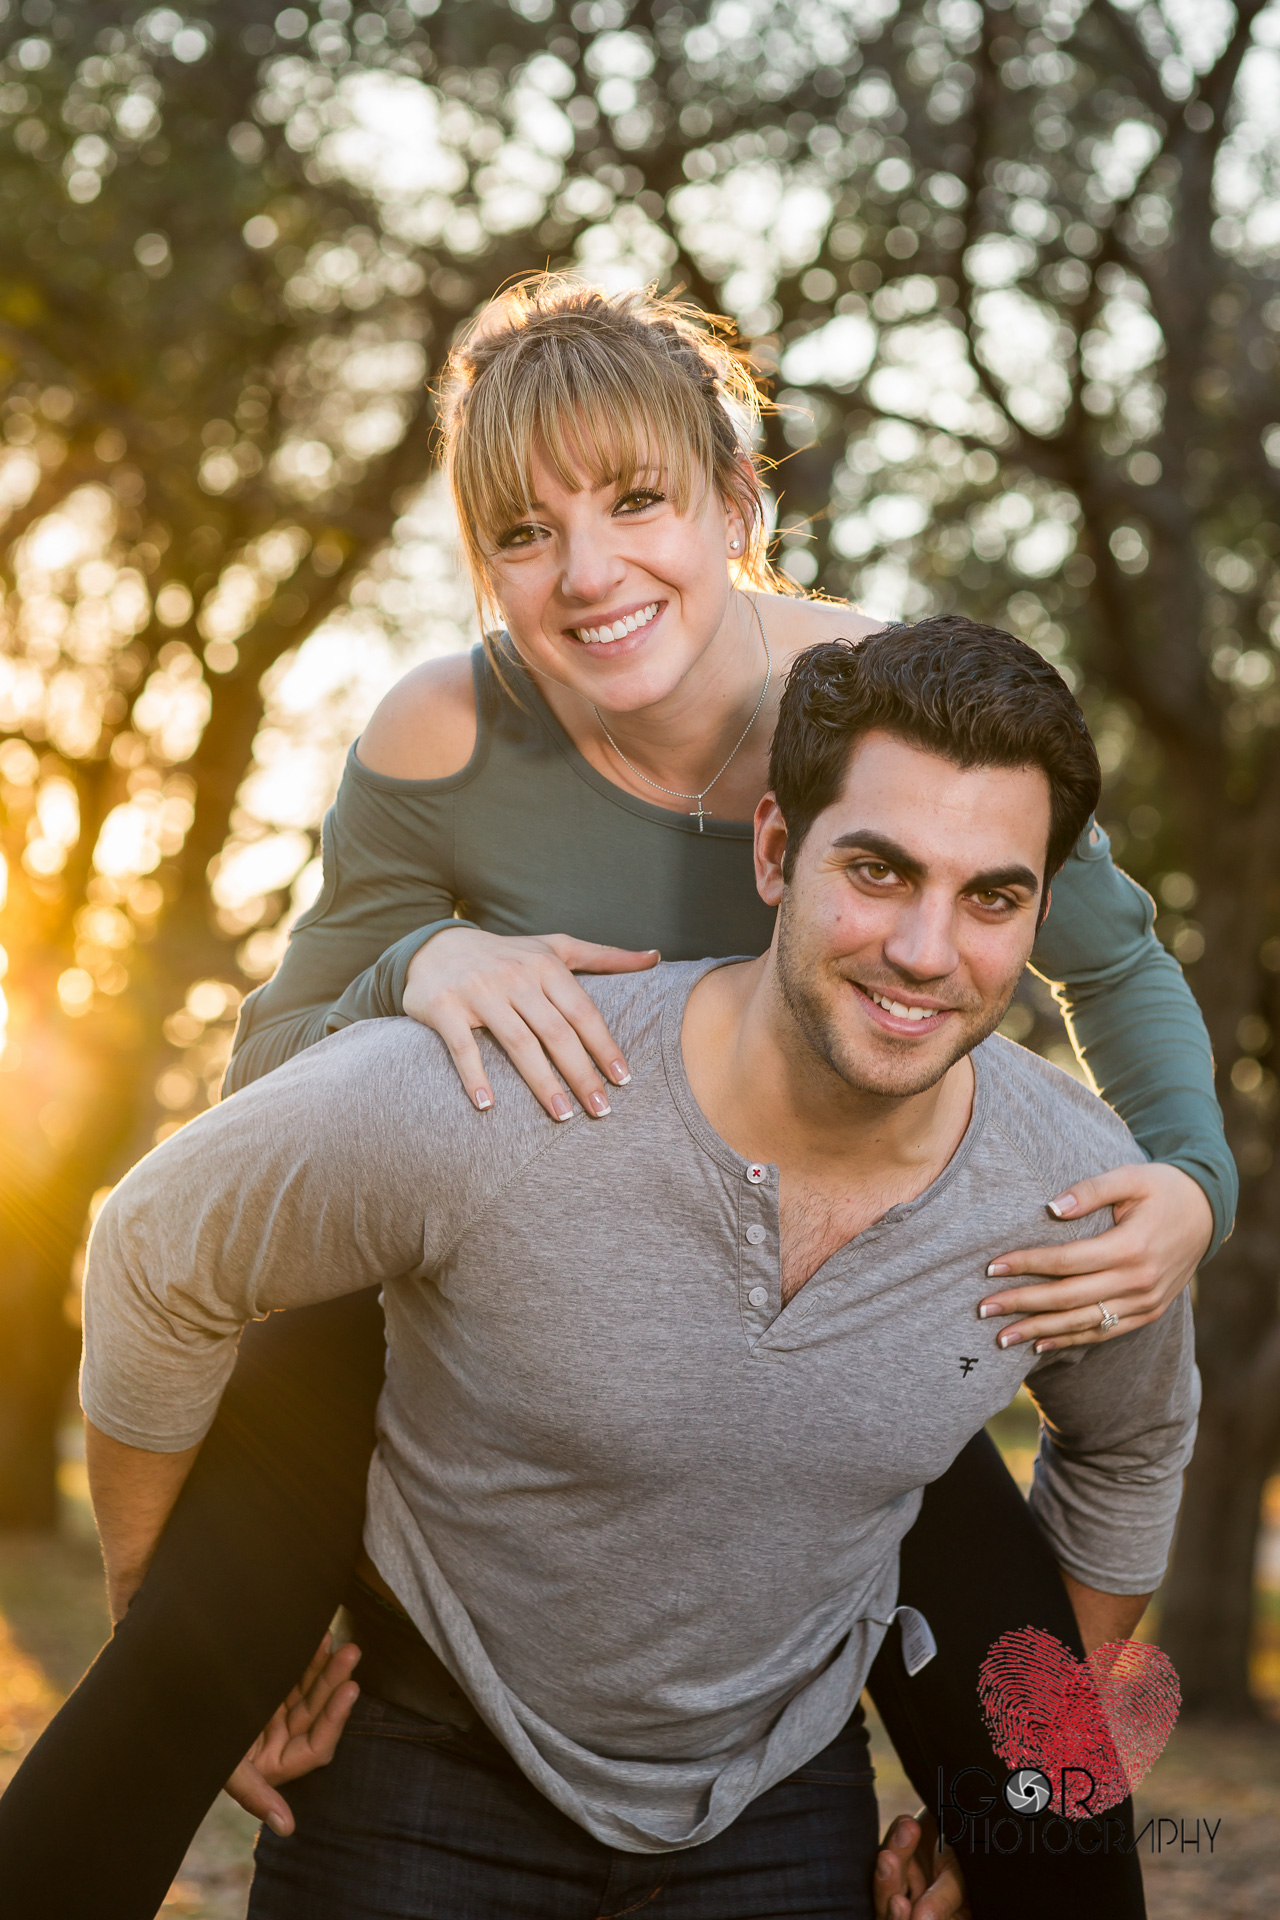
[892,1014]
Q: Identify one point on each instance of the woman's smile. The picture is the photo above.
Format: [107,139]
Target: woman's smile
[618,626]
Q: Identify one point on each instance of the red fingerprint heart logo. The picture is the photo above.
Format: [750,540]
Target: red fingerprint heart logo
[1106,1716]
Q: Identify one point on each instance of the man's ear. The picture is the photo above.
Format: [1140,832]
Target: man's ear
[770,849]
[1046,901]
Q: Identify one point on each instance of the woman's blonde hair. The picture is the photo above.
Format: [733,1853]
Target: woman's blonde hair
[605,387]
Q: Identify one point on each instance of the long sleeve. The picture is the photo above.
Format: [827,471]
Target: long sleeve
[388,887]
[1134,1022]
[264,1202]
[356,1165]
[1119,1426]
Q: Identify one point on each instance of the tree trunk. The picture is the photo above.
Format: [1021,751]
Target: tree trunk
[1209,1606]
[44,1203]
[37,1354]
[1208,1610]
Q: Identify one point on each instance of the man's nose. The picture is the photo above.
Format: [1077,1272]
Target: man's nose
[923,941]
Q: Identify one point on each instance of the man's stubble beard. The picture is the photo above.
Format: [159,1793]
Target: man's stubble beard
[817,1024]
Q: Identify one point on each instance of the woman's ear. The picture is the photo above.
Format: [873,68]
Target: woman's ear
[741,512]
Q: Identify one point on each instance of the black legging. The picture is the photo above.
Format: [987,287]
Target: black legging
[259,1552]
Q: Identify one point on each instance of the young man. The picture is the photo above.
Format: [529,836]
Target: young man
[662,1396]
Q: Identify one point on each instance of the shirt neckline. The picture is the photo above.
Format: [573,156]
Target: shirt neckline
[733,1163]
[608,789]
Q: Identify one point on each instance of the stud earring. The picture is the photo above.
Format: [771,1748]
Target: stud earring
[734,545]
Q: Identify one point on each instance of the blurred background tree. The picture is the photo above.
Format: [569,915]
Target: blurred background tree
[1011,267]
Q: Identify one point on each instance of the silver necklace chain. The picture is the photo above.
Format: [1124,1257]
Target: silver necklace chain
[701,813]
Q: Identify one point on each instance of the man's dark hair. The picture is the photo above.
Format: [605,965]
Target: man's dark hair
[970,693]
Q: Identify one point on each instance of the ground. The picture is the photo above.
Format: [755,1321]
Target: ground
[53,1619]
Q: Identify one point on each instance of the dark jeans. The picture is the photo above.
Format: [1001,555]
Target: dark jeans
[414,1821]
[261,1548]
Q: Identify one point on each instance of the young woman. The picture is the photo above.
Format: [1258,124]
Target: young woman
[593,768]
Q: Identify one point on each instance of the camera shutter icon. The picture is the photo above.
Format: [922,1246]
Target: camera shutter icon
[1028,1791]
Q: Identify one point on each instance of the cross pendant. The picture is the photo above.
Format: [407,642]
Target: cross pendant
[703,813]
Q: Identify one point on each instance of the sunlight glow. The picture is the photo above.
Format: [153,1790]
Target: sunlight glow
[75,990]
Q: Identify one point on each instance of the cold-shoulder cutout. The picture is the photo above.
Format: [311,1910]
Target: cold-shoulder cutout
[425,728]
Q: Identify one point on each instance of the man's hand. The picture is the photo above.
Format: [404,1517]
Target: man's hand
[915,1878]
[300,1736]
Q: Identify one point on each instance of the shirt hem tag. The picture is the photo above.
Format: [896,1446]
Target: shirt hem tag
[918,1644]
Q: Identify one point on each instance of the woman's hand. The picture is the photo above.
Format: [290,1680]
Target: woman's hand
[523,991]
[300,1736]
[1136,1269]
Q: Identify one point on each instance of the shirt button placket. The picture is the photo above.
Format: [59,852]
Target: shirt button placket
[755,1271]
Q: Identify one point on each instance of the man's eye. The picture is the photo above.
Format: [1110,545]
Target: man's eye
[989,898]
[875,870]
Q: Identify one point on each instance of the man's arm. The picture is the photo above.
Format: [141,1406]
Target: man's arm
[133,1494]
[344,1169]
[1103,1617]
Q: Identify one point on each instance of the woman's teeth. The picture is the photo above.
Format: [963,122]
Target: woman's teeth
[896,1008]
[593,636]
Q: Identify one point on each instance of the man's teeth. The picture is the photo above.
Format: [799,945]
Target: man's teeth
[593,636]
[900,1012]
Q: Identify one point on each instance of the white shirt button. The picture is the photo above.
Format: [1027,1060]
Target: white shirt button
[759,1296]
[755,1235]
[755,1175]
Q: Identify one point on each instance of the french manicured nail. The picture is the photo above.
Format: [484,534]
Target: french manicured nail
[598,1104]
[1062,1206]
[988,1310]
[484,1099]
[560,1107]
[1010,1339]
[619,1075]
[996,1268]
[1043,1346]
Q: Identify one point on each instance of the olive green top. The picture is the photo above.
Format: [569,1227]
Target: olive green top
[529,838]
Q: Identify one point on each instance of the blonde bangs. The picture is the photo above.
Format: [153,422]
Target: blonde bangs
[595,416]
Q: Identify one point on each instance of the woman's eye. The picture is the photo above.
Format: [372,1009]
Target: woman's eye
[638,499]
[522,536]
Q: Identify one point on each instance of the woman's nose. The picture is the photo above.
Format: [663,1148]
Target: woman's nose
[591,570]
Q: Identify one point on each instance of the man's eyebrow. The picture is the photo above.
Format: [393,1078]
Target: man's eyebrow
[866,840]
[1004,877]
[883,848]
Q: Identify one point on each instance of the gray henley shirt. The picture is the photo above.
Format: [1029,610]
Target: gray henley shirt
[648,1516]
